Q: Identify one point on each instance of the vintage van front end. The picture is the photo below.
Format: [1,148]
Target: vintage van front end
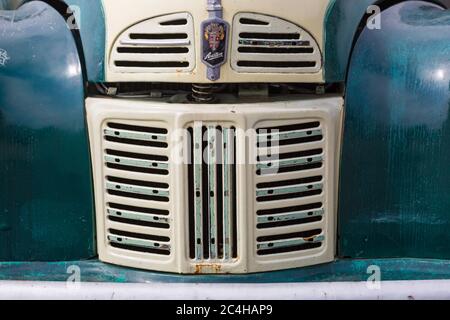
[208,141]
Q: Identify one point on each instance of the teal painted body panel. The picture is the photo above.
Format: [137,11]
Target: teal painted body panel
[342,270]
[341,24]
[46,200]
[92,33]
[395,177]
[91,26]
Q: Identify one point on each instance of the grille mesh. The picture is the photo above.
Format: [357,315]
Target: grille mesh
[266,44]
[290,187]
[136,180]
[232,188]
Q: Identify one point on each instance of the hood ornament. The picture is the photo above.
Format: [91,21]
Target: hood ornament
[214,40]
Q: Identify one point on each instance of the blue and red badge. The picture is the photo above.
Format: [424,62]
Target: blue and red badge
[214,42]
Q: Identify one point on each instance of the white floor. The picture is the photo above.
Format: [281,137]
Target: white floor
[399,290]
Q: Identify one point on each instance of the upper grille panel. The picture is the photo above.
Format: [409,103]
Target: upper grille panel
[163,44]
[266,44]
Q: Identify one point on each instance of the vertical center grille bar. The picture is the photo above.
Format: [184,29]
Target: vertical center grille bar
[212,153]
[226,193]
[198,161]
[212,192]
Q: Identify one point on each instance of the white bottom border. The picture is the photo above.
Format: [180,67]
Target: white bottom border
[388,290]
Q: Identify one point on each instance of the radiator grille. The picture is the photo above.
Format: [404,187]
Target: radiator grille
[231,188]
[161,44]
[136,171]
[212,192]
[290,187]
[266,44]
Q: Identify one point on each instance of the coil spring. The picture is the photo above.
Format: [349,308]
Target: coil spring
[203,93]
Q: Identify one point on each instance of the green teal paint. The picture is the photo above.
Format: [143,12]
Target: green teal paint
[46,200]
[92,32]
[341,24]
[395,177]
[342,270]
[93,35]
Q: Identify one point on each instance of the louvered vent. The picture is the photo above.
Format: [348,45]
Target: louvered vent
[232,188]
[212,193]
[290,186]
[266,44]
[137,188]
[163,44]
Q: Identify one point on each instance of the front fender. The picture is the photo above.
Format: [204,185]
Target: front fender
[46,201]
[395,178]
[341,28]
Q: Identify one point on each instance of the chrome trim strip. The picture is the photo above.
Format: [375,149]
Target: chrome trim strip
[124,134]
[137,162]
[288,243]
[139,242]
[279,136]
[289,189]
[157,192]
[137,216]
[291,216]
[212,176]
[198,159]
[289,162]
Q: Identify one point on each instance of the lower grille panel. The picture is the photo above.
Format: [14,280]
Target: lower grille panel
[196,189]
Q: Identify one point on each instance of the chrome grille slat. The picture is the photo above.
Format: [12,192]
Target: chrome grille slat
[138,242]
[198,160]
[288,243]
[273,43]
[289,189]
[227,191]
[290,216]
[158,192]
[137,216]
[126,227]
[212,203]
[288,163]
[133,135]
[137,163]
[280,136]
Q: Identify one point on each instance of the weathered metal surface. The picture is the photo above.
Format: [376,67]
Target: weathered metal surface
[343,270]
[90,22]
[46,210]
[341,24]
[395,178]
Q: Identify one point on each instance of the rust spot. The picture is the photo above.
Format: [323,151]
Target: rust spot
[208,268]
[310,239]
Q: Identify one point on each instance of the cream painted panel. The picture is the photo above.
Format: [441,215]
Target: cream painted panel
[327,110]
[121,14]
